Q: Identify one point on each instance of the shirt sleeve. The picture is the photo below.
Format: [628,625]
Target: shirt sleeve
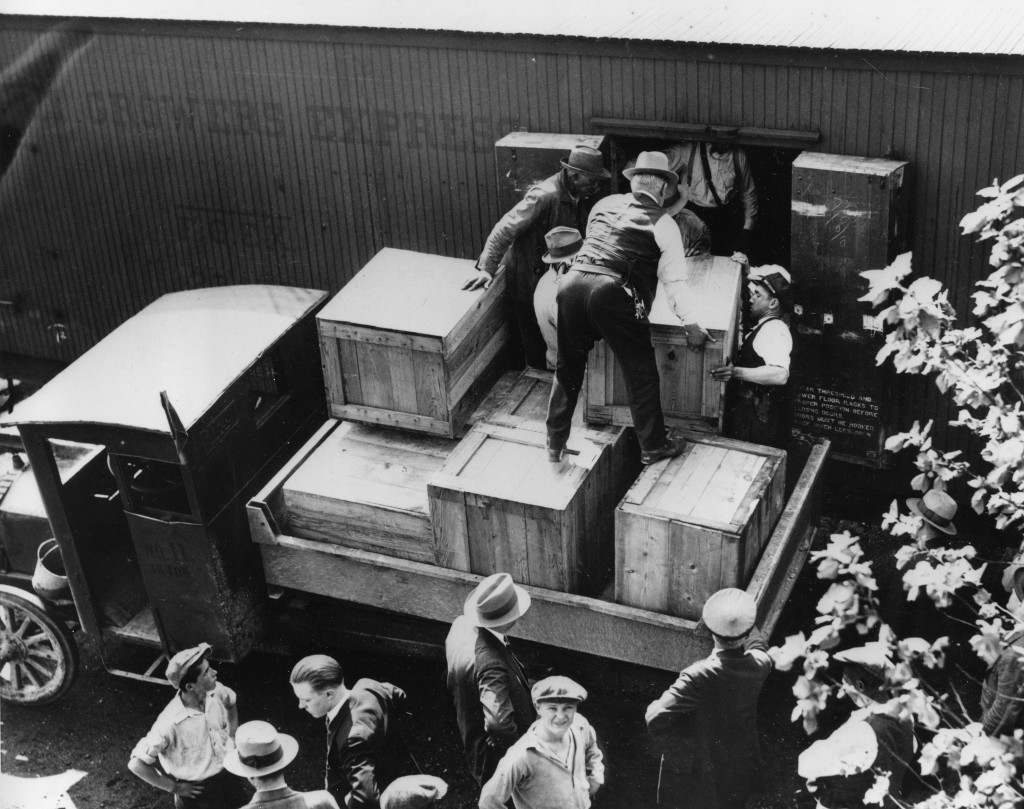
[228,698]
[773,343]
[594,758]
[672,266]
[151,745]
[680,698]
[746,189]
[524,214]
[496,792]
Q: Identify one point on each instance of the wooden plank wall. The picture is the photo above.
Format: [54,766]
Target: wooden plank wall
[173,155]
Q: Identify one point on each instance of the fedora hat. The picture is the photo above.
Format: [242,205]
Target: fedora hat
[730,613]
[260,750]
[563,243]
[413,792]
[655,163]
[588,160]
[937,509]
[497,600]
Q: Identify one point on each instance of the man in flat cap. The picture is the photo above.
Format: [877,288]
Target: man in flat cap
[487,681]
[362,749]
[184,751]
[560,200]
[413,792]
[758,397]
[260,756]
[557,764]
[706,722]
[841,768]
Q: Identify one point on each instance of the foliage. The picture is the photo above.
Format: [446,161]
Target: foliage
[980,368]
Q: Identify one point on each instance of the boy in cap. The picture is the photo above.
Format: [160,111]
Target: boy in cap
[184,751]
[557,763]
[710,712]
[413,792]
[563,245]
[758,407]
[487,681]
[563,199]
[260,755]
[841,768]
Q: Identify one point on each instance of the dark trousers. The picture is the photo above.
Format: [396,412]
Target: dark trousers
[725,225]
[221,791]
[522,283]
[757,413]
[591,307]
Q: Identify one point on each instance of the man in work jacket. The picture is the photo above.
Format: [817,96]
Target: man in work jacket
[758,399]
[721,192]
[560,200]
[487,682]
[631,243]
[361,743]
[706,722]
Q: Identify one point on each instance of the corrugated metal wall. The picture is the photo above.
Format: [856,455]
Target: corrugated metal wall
[164,157]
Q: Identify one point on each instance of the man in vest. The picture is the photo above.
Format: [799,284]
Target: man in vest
[560,200]
[631,243]
[758,401]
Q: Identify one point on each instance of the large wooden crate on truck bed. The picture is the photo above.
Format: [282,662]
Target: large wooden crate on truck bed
[402,344]
[690,398]
[697,523]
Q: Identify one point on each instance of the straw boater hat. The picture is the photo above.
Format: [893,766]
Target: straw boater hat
[180,663]
[563,243]
[413,792]
[497,600]
[730,613]
[260,750]
[588,160]
[655,163]
[937,509]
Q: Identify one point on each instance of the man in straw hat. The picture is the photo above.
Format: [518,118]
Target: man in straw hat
[560,200]
[261,755]
[362,747]
[557,763]
[706,722]
[487,682]
[413,792]
[563,245]
[631,242]
[184,751]
[758,408]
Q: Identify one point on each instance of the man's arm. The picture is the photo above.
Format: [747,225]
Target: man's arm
[1001,716]
[496,793]
[679,699]
[746,189]
[765,375]
[594,759]
[499,716]
[673,267]
[359,766]
[229,699]
[152,776]
[513,223]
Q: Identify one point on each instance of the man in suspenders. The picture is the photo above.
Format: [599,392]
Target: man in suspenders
[757,400]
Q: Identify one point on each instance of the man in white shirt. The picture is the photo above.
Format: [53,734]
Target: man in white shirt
[183,753]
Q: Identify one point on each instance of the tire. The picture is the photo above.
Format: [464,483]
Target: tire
[38,654]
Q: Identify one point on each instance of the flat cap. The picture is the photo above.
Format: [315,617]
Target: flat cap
[558,689]
[873,656]
[851,749]
[413,792]
[730,613]
[180,663]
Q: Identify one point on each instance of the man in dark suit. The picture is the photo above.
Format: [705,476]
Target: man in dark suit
[359,728]
[487,682]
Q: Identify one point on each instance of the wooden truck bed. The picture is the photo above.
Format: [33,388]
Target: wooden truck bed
[592,625]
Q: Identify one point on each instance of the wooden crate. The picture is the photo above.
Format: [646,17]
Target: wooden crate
[403,345]
[697,523]
[365,486]
[498,504]
[690,398]
[520,399]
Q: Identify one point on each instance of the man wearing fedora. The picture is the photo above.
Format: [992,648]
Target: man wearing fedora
[563,245]
[706,722]
[758,394]
[184,751]
[362,749]
[487,682]
[260,756]
[631,243]
[560,200]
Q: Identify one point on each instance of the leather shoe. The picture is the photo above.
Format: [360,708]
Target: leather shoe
[554,454]
[672,448]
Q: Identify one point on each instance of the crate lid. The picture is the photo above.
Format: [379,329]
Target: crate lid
[714,483]
[548,140]
[509,463]
[713,289]
[406,291]
[376,466]
[847,164]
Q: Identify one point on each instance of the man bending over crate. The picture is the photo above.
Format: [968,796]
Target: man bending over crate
[631,243]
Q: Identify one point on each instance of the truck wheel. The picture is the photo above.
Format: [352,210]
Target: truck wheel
[38,655]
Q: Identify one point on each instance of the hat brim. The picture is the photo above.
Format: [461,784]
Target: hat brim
[665,174]
[514,614]
[289,750]
[547,258]
[914,504]
[604,174]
